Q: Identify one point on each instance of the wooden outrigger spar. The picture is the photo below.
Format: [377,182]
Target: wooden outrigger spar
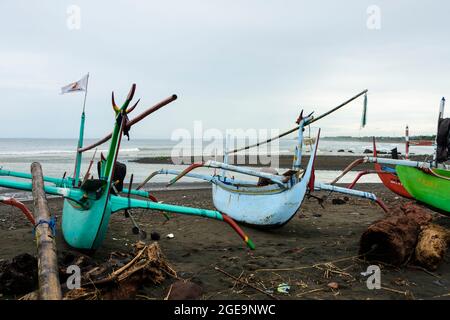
[274,203]
[89,204]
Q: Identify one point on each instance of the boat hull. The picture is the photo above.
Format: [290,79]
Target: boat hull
[86,228]
[269,206]
[256,206]
[425,187]
[392,182]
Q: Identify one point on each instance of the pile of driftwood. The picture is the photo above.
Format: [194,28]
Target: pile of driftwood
[406,235]
[121,277]
[147,266]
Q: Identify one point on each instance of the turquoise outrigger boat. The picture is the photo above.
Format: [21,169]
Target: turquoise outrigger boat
[89,203]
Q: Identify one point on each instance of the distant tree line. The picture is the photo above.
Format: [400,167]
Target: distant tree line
[380,138]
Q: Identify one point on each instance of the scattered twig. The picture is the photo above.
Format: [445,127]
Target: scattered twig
[310,291]
[311,266]
[235,282]
[334,271]
[380,263]
[168,293]
[425,270]
[118,271]
[405,293]
[441,296]
[145,297]
[245,283]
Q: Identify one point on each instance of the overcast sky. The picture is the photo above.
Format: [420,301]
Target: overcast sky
[233,64]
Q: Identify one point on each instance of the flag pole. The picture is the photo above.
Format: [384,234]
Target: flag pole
[76,174]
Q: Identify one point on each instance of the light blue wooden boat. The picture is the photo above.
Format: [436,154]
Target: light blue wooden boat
[271,205]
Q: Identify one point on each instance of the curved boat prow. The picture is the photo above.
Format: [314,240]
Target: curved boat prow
[389,179]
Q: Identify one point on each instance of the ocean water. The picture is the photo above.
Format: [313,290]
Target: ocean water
[58,156]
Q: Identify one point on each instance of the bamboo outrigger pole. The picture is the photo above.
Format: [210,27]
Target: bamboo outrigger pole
[48,275]
[296,128]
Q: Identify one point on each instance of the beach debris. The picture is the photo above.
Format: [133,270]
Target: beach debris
[170,236]
[283,288]
[367,273]
[400,282]
[18,275]
[48,273]
[184,290]
[333,285]
[246,283]
[439,283]
[431,246]
[308,292]
[338,201]
[123,274]
[155,236]
[393,239]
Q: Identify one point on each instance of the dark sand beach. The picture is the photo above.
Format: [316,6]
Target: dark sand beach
[290,254]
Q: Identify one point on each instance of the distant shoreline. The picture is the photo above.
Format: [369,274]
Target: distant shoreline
[379,139]
[323,162]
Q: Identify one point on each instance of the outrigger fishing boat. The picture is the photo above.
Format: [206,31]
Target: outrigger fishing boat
[387,174]
[89,202]
[427,182]
[274,199]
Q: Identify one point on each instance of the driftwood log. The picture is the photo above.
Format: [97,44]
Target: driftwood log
[393,239]
[48,275]
[432,246]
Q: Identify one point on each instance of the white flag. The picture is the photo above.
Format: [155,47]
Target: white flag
[80,85]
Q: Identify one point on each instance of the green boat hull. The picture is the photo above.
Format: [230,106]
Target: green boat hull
[427,188]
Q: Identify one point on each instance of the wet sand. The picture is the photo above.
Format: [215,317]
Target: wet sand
[315,235]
